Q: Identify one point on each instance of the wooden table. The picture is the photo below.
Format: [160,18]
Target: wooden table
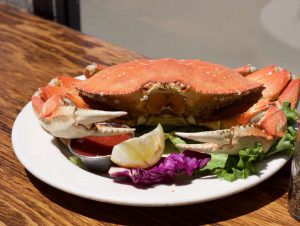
[32,51]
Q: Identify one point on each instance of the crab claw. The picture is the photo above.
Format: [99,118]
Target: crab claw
[229,141]
[92,69]
[64,114]
[245,70]
[70,122]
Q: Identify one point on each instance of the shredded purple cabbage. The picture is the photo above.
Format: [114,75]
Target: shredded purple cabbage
[166,169]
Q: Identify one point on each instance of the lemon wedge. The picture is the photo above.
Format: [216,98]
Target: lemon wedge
[140,152]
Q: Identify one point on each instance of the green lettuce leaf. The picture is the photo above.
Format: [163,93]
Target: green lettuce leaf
[233,167]
[170,143]
[76,161]
[288,141]
[249,156]
[291,115]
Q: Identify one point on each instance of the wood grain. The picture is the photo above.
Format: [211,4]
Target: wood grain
[32,51]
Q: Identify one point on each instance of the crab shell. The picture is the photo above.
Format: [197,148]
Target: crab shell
[168,91]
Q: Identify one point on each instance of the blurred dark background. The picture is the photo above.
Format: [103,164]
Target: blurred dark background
[65,12]
[230,32]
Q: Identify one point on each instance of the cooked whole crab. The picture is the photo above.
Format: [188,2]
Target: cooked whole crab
[243,104]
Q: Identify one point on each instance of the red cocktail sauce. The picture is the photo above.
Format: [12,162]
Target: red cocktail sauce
[97,146]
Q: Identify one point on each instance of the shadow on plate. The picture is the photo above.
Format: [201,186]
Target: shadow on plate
[203,213]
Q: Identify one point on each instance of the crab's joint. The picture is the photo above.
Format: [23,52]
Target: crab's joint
[89,117]
[252,68]
[278,69]
[92,69]
[54,82]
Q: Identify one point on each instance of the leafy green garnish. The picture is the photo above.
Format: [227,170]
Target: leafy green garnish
[291,115]
[170,142]
[233,167]
[218,161]
[286,143]
[249,156]
[76,161]
[174,139]
[230,167]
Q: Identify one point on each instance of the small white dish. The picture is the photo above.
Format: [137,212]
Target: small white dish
[94,163]
[44,157]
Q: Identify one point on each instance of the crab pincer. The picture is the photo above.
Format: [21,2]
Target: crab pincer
[64,114]
[246,69]
[265,122]
[229,141]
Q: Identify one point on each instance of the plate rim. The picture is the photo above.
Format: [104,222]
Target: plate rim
[14,137]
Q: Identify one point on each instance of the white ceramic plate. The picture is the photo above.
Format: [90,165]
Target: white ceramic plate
[44,157]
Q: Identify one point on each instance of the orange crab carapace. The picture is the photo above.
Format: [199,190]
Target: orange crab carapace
[243,104]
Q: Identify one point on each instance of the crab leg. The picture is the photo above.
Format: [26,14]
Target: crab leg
[69,122]
[245,70]
[229,141]
[291,93]
[274,120]
[63,113]
[274,78]
[268,116]
[92,69]
[277,83]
